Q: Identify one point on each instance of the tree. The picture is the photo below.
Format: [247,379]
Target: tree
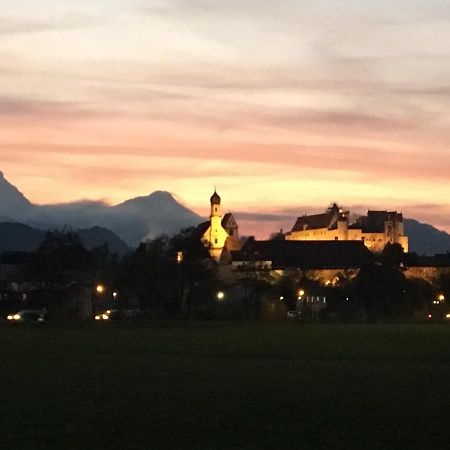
[60,259]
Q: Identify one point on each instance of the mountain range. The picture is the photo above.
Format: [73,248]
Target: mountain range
[133,221]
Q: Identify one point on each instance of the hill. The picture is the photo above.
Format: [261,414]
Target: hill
[19,237]
[425,239]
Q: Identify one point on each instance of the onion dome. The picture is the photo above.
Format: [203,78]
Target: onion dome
[215,198]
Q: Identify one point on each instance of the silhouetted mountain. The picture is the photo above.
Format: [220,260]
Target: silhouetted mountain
[133,220]
[424,239]
[96,236]
[19,237]
[13,203]
[147,217]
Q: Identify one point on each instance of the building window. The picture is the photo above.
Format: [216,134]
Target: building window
[215,241]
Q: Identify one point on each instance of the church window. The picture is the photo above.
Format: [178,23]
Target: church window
[215,241]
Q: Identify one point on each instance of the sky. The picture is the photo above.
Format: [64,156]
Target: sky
[285,106]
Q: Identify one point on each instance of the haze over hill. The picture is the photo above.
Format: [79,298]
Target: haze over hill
[146,217]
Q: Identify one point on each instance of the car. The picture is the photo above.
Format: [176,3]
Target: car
[117,315]
[294,314]
[27,316]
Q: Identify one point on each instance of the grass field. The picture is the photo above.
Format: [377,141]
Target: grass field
[225,386]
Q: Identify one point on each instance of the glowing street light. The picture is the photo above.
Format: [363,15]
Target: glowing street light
[220,295]
[114,294]
[100,288]
[441,297]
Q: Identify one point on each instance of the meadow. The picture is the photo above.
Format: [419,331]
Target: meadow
[225,386]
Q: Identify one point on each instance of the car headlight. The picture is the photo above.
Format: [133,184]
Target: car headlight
[97,317]
[105,316]
[17,316]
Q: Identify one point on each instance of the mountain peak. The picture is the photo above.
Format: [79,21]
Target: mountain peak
[163,195]
[13,201]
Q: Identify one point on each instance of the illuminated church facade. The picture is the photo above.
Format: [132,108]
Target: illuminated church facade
[219,232]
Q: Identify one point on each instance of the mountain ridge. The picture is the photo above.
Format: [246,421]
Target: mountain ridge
[145,217]
[18,237]
[134,220]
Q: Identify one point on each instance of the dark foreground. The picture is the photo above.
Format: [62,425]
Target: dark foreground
[221,386]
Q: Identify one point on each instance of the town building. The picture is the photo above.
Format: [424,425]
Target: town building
[376,229]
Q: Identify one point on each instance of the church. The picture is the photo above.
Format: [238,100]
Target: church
[219,233]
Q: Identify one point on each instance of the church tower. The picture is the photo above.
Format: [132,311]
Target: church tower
[217,235]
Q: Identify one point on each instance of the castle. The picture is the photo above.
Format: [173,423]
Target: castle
[375,230]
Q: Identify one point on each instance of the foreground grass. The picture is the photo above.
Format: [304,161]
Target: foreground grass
[242,386]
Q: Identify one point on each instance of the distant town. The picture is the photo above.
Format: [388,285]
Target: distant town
[329,266]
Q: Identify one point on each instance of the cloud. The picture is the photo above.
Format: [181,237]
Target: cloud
[46,109]
[18,25]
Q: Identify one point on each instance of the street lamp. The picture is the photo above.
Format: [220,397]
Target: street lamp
[100,288]
[220,295]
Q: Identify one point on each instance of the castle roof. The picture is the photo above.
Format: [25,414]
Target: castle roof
[315,221]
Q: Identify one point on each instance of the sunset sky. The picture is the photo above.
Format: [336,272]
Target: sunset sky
[284,105]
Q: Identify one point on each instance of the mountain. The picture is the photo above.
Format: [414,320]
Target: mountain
[13,203]
[19,237]
[146,217]
[424,239]
[134,220]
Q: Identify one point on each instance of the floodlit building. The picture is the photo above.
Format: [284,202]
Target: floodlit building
[376,229]
[219,233]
